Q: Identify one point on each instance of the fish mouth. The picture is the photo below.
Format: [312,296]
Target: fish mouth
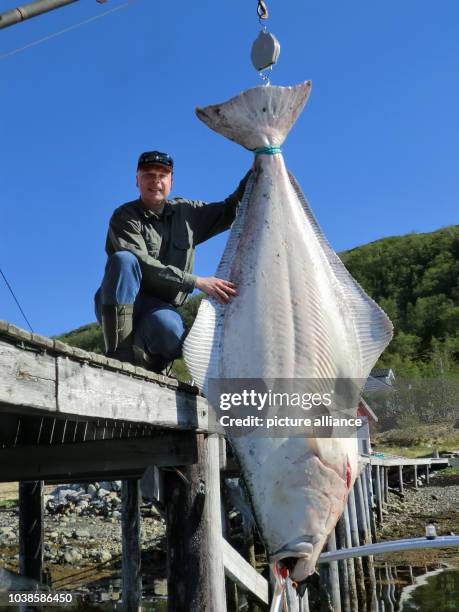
[297,557]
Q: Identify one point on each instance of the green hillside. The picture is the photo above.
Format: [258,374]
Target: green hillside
[414,278]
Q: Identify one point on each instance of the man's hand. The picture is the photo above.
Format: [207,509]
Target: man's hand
[222,290]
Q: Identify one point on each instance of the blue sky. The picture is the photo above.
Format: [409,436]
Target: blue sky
[375,150]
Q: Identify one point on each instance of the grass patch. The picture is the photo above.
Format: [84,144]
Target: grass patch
[450,472]
[418,440]
[8,503]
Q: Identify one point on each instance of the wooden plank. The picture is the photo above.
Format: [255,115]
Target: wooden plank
[27,378]
[130,533]
[50,462]
[243,574]
[31,529]
[94,392]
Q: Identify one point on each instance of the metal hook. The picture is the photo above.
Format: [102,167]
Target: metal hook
[262,10]
[266,76]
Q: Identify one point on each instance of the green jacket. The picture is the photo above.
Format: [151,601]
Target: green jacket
[165,244]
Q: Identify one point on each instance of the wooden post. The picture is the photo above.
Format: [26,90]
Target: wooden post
[344,579]
[415,473]
[196,579]
[386,484]
[334,575]
[325,587]
[378,494]
[361,514]
[427,474]
[358,564]
[351,566]
[130,533]
[371,504]
[363,479]
[400,478]
[381,478]
[31,529]
[232,596]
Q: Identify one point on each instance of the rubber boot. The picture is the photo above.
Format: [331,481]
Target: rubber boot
[117,326]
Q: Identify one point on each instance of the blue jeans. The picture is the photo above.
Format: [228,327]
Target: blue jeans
[158,327]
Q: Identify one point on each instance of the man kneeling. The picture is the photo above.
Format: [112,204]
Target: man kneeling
[149,272]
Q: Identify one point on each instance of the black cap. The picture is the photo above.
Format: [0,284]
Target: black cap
[150,158]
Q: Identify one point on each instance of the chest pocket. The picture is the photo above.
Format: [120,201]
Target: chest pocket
[153,242]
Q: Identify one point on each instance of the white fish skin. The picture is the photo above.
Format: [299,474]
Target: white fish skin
[298,314]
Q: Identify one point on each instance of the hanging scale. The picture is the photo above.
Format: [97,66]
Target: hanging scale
[266,48]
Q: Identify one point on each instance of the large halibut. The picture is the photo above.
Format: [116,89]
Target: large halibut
[298,314]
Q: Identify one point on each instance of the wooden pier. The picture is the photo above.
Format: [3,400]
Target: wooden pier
[69,416]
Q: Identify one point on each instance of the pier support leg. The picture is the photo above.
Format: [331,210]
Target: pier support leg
[350,562]
[362,525]
[378,494]
[386,484]
[196,579]
[130,534]
[31,529]
[400,478]
[344,579]
[358,564]
[371,503]
[415,475]
[334,575]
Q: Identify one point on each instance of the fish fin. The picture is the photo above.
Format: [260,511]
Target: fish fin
[258,117]
[373,327]
[200,346]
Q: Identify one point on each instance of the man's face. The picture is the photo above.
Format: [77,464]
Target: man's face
[155,184]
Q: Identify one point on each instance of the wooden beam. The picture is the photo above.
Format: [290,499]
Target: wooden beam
[133,455]
[27,378]
[130,532]
[31,380]
[194,531]
[31,529]
[243,574]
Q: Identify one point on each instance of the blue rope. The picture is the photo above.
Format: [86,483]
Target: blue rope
[270,150]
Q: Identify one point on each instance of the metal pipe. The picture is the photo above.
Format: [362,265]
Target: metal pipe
[21,13]
[391,546]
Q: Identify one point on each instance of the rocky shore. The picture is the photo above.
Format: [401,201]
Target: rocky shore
[82,549]
[83,533]
[407,515]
